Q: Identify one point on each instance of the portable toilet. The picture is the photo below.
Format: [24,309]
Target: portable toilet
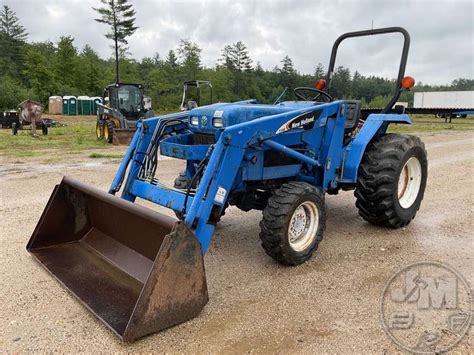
[84,105]
[65,105]
[55,105]
[95,100]
[70,105]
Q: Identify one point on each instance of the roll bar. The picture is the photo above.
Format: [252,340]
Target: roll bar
[378,31]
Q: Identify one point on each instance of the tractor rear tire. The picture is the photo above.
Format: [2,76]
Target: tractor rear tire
[392,180]
[293,223]
[109,128]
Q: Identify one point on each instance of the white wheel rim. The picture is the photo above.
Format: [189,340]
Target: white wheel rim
[409,182]
[303,226]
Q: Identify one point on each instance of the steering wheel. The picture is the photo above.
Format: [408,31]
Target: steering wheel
[299,93]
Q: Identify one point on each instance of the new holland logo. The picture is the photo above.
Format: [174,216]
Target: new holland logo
[305,121]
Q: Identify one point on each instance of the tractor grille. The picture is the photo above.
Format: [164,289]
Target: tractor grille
[203,138]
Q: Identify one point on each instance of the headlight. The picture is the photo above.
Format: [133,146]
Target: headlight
[194,120]
[217,122]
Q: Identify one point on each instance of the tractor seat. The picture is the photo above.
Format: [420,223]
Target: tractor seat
[191,104]
[353,115]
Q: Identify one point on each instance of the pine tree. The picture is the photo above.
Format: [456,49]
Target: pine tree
[236,57]
[171,59]
[287,67]
[226,57]
[119,15]
[190,56]
[288,75]
[341,83]
[89,75]
[240,57]
[64,62]
[157,59]
[319,73]
[12,43]
[258,69]
[10,26]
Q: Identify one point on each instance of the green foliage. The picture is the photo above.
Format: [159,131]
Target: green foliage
[119,15]
[10,25]
[171,59]
[190,58]
[11,92]
[65,62]
[12,42]
[39,70]
[60,141]
[39,74]
[288,74]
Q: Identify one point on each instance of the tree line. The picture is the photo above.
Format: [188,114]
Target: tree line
[41,69]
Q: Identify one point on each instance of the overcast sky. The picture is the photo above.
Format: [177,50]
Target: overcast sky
[442,47]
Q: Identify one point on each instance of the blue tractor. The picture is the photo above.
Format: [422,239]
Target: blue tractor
[140,271]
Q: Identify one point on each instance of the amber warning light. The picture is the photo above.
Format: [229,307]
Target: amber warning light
[408,82]
[320,84]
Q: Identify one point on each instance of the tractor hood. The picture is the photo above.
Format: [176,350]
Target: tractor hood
[208,119]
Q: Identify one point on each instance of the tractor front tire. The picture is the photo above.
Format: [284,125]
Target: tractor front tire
[391,180]
[182,181]
[293,223]
[99,130]
[109,128]
[14,128]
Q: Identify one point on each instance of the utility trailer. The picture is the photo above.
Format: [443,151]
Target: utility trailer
[140,271]
[459,103]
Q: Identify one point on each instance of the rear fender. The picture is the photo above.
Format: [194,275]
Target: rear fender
[375,125]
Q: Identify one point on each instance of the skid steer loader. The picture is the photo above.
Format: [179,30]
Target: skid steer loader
[140,271]
[123,105]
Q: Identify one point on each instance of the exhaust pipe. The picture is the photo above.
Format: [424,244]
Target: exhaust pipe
[137,270]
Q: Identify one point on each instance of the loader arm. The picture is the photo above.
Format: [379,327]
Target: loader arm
[325,122]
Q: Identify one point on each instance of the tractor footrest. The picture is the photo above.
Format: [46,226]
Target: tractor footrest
[184,147]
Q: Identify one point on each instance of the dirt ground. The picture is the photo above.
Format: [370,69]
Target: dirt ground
[328,305]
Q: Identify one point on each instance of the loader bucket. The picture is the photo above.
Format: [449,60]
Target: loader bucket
[137,270]
[123,136]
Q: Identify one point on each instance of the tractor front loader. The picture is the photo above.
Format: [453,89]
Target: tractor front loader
[140,271]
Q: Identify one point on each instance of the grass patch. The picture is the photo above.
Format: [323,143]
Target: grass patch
[60,140]
[79,138]
[431,124]
[52,160]
[96,155]
[24,153]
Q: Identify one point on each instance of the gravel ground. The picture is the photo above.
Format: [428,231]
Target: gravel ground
[329,304]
